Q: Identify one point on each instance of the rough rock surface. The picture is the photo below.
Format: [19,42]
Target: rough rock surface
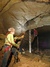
[15,13]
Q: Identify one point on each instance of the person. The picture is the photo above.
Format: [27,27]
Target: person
[9,47]
[21,49]
[19,39]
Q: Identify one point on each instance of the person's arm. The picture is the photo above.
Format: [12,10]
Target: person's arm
[19,37]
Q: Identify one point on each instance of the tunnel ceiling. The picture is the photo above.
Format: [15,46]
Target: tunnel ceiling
[23,15]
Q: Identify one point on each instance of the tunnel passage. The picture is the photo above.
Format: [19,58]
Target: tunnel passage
[43,39]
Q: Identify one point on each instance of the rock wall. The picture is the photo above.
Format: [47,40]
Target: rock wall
[6,4]
[38,0]
[15,13]
[43,0]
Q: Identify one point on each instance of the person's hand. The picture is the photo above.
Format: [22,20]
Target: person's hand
[17,45]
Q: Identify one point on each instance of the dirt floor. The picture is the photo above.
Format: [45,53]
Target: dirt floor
[31,60]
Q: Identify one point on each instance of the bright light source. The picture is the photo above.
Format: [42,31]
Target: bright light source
[20,29]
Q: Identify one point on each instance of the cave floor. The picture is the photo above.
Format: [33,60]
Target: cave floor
[30,60]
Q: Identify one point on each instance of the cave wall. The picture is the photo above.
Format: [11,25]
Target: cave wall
[38,0]
[6,4]
[43,0]
[2,30]
[17,12]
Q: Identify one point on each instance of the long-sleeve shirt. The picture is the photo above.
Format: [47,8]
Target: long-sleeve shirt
[10,39]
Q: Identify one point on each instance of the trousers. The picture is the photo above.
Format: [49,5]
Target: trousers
[6,56]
